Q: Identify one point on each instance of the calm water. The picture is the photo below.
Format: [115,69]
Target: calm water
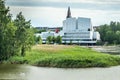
[24,72]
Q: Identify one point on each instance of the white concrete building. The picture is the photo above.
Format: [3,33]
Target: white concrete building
[75,30]
[78,30]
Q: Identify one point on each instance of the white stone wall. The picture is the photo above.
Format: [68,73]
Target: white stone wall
[84,24]
[69,25]
[80,24]
[80,29]
[96,36]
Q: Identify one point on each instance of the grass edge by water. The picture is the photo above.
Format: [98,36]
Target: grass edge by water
[65,57]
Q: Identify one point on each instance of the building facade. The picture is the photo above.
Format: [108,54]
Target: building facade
[74,30]
[78,30]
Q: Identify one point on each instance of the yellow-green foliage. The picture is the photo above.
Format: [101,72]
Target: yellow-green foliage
[66,57]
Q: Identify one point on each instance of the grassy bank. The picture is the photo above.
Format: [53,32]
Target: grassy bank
[65,56]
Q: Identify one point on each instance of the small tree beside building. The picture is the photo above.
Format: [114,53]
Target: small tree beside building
[49,39]
[59,39]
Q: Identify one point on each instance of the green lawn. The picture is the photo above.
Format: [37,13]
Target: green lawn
[65,56]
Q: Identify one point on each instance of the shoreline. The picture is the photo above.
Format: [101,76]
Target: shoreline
[63,56]
[113,50]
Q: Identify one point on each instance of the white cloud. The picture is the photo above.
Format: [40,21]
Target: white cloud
[52,14]
[41,16]
[48,16]
[80,4]
[83,1]
[76,0]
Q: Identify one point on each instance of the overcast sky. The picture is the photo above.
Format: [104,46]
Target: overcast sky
[52,12]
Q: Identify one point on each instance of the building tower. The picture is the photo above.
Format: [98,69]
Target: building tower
[68,13]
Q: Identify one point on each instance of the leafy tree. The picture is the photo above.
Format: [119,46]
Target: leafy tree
[54,39]
[24,34]
[49,39]
[110,33]
[110,37]
[113,26]
[118,26]
[102,30]
[59,39]
[38,40]
[118,37]
[7,32]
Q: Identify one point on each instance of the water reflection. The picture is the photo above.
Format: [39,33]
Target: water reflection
[13,71]
[25,72]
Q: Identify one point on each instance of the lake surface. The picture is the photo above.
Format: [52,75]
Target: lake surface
[25,72]
[114,50]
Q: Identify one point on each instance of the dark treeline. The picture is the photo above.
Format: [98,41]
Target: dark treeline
[16,36]
[110,33]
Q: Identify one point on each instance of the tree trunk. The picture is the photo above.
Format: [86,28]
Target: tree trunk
[23,51]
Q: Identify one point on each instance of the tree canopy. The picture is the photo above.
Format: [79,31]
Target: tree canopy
[15,35]
[23,34]
[110,33]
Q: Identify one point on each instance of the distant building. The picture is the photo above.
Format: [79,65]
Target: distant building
[49,28]
[78,30]
[75,30]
